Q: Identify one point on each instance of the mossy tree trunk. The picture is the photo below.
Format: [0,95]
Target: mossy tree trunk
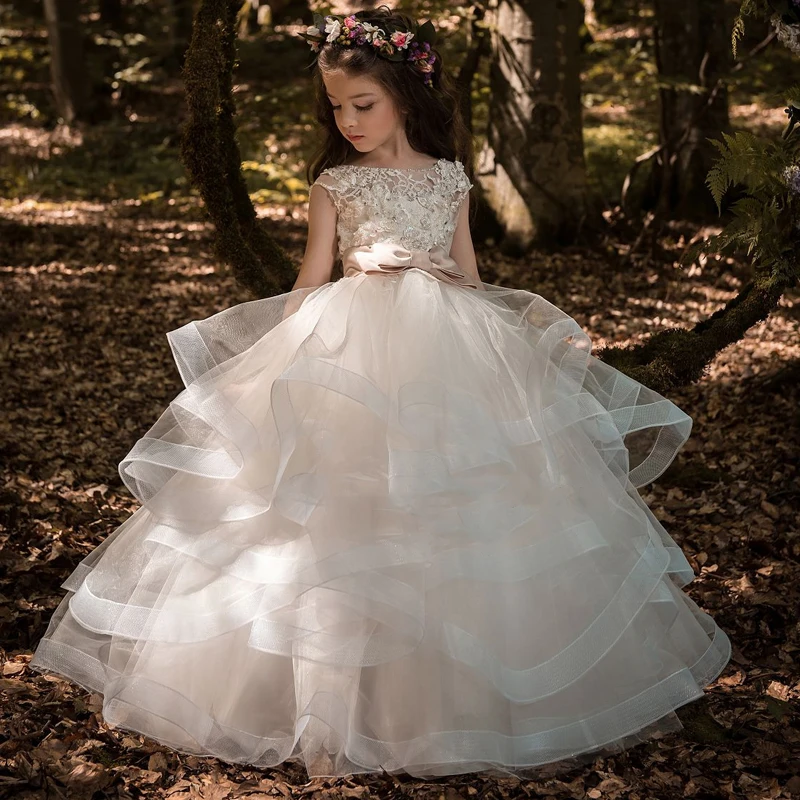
[532,169]
[675,357]
[211,154]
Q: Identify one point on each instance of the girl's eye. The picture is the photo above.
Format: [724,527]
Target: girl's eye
[359,108]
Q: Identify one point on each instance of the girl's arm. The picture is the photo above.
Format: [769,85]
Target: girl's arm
[321,249]
[462,251]
[320,254]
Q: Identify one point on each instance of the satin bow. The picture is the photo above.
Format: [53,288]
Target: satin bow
[388,257]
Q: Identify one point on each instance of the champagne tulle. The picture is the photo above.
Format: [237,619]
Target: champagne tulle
[397,529]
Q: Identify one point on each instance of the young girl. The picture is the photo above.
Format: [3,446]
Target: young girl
[392,522]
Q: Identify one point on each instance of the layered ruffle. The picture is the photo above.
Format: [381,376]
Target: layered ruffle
[392,523]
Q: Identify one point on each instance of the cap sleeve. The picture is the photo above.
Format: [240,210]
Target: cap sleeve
[328,180]
[461,184]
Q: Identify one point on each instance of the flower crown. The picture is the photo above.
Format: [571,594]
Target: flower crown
[399,45]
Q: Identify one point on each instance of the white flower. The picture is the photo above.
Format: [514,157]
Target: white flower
[312,30]
[333,28]
[373,31]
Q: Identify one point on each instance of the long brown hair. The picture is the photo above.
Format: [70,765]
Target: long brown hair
[434,124]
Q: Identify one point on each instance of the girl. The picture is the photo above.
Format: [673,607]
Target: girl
[392,521]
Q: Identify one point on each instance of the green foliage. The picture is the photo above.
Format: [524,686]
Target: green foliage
[764,221]
[746,159]
[119,160]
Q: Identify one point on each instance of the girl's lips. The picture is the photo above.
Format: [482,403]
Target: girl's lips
[353,138]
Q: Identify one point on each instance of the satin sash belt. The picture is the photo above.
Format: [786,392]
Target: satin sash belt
[388,257]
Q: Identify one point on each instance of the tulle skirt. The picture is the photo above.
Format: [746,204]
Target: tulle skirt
[392,524]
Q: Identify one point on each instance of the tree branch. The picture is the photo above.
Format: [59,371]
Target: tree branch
[675,357]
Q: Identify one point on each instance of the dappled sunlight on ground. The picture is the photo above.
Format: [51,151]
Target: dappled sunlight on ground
[91,290]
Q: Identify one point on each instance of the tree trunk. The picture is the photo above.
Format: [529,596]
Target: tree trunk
[692,47]
[532,169]
[67,60]
[211,154]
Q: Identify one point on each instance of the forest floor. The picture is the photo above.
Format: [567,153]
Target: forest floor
[95,272]
[89,293]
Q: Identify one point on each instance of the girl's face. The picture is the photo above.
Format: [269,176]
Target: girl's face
[363,109]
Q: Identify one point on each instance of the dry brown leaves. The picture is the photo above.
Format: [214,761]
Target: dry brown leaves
[88,295]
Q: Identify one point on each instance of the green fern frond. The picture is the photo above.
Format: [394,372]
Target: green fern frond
[748,207]
[735,232]
[718,181]
[738,231]
[748,160]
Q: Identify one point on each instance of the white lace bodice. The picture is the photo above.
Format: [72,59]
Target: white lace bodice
[416,208]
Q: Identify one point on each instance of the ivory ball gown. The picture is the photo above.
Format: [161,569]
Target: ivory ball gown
[392,524]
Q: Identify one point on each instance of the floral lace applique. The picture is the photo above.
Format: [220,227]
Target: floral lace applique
[417,208]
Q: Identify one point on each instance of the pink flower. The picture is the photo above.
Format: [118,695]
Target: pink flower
[351,21]
[401,39]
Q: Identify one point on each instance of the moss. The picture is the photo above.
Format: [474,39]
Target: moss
[676,357]
[211,155]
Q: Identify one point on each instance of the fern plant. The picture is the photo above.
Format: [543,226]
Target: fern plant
[766,220]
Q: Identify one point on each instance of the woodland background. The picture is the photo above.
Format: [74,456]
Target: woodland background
[105,245]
